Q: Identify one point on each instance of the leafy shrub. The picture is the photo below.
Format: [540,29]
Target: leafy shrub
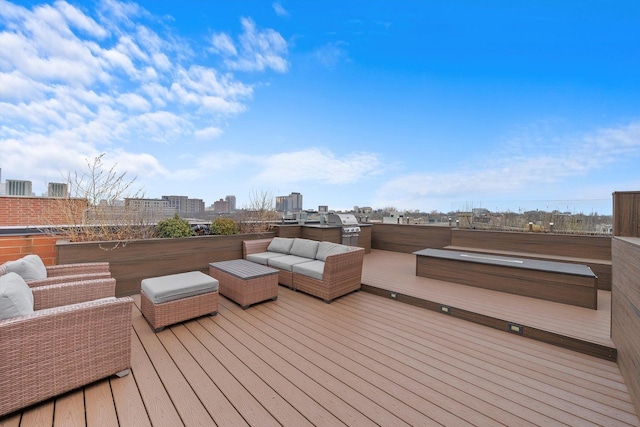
[224,226]
[174,227]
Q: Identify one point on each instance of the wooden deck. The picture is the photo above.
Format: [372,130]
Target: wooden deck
[361,360]
[576,328]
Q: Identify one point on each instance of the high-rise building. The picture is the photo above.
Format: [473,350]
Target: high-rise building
[231,199]
[290,203]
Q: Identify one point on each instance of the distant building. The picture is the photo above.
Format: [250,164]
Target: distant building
[184,205]
[221,206]
[14,187]
[57,189]
[231,200]
[290,203]
[152,209]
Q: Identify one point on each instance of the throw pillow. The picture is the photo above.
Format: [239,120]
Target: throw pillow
[16,298]
[30,267]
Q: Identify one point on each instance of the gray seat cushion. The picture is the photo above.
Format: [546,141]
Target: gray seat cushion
[326,249]
[304,248]
[286,262]
[281,245]
[313,269]
[177,286]
[263,257]
[16,298]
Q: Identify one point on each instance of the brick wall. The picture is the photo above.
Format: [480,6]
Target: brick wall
[19,211]
[15,247]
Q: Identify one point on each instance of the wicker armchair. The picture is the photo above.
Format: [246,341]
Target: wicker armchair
[64,273]
[79,333]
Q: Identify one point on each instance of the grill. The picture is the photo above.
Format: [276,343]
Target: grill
[350,227]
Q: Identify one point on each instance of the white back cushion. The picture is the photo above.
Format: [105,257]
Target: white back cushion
[30,267]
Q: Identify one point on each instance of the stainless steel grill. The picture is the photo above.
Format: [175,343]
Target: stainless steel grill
[350,227]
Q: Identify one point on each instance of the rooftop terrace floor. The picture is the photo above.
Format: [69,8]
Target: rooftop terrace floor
[361,360]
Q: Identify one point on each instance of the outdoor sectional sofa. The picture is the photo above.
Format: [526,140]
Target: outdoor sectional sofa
[324,269]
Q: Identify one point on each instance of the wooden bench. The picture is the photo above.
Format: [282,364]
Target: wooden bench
[592,251]
[566,283]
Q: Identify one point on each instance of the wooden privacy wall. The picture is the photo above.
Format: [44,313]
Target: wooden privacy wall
[139,259]
[570,245]
[15,247]
[626,213]
[593,251]
[409,238]
[625,311]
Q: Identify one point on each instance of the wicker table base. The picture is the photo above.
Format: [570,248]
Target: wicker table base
[245,282]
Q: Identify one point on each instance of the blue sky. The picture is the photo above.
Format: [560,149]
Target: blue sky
[417,105]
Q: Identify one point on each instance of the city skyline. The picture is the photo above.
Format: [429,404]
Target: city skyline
[413,105]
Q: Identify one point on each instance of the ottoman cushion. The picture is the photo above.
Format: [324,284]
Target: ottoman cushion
[177,286]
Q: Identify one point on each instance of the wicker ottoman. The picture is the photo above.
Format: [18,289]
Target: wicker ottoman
[166,300]
[245,282]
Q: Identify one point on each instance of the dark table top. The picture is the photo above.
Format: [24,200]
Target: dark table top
[244,269]
[513,262]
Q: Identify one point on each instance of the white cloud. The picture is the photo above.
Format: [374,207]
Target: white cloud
[315,165]
[81,82]
[207,134]
[503,175]
[258,49]
[279,9]
[223,44]
[331,54]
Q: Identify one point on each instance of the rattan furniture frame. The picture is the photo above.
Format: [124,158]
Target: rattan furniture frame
[65,273]
[71,340]
[245,282]
[342,272]
[181,308]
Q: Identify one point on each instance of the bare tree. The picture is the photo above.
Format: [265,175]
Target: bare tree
[95,208]
[259,215]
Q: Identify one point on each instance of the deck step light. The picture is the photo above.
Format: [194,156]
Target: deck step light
[445,309]
[514,328]
[394,295]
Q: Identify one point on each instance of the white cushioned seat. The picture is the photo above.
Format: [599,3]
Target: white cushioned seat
[177,286]
[263,257]
[312,269]
[286,262]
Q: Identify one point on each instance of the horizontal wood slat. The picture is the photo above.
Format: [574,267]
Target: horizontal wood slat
[362,360]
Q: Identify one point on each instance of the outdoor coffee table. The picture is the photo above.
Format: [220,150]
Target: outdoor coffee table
[245,282]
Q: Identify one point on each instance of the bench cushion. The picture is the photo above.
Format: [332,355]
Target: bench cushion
[286,262]
[312,269]
[263,257]
[304,248]
[177,286]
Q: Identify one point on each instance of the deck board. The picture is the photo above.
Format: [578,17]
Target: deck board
[361,360]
